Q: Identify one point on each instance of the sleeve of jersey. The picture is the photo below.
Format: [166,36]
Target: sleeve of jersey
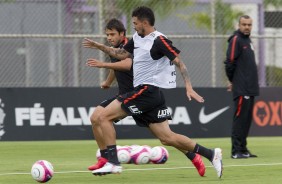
[166,48]
[232,54]
[233,50]
[129,47]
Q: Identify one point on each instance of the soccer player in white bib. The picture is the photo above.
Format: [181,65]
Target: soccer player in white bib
[123,72]
[154,61]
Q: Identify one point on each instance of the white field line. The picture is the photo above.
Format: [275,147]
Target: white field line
[150,169]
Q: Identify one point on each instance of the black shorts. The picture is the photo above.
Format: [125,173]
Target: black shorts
[105,103]
[146,104]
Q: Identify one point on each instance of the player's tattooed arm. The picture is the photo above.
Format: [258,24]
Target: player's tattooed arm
[114,52]
[184,72]
[117,53]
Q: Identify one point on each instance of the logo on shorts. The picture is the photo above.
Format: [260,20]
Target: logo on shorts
[2,117]
[164,113]
[134,109]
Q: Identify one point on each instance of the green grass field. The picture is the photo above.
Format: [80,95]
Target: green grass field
[71,159]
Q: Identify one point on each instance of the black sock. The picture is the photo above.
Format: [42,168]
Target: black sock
[205,152]
[104,153]
[190,155]
[112,154]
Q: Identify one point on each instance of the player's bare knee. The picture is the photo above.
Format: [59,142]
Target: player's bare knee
[165,141]
[168,139]
[94,119]
[103,117]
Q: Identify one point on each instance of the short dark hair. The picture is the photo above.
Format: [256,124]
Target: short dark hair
[144,13]
[117,25]
[244,16]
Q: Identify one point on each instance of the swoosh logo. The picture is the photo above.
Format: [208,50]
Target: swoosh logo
[206,118]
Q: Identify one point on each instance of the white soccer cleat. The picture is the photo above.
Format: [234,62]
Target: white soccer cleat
[217,161]
[108,168]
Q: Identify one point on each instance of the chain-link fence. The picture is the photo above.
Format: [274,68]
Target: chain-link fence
[41,40]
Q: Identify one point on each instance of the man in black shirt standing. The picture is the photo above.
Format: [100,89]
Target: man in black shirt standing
[241,70]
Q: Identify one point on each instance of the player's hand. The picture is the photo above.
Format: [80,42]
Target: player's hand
[105,85]
[229,87]
[88,43]
[193,94]
[95,63]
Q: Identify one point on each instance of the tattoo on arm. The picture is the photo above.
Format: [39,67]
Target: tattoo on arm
[115,52]
[183,70]
[120,52]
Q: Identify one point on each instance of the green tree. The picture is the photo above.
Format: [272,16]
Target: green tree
[273,76]
[162,8]
[275,3]
[224,18]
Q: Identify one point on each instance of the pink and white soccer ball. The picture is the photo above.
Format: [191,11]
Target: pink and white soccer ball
[42,171]
[159,155]
[139,155]
[134,146]
[148,148]
[123,153]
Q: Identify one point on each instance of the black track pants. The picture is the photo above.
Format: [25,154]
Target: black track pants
[242,119]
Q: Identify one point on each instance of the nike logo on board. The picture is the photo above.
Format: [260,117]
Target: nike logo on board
[206,118]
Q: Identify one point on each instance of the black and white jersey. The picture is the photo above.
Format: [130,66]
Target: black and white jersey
[152,60]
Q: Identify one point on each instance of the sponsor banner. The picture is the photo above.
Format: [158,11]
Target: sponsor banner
[63,113]
[267,113]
